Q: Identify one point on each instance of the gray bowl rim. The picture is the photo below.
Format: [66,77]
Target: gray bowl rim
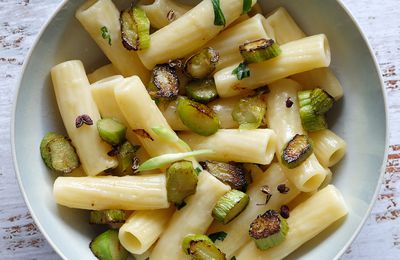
[33,47]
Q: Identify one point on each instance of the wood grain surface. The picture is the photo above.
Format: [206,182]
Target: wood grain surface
[21,20]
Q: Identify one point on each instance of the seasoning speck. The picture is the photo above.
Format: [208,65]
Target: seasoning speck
[282,188]
[142,133]
[285,211]
[289,103]
[171,15]
[83,119]
[265,189]
[135,163]
[114,151]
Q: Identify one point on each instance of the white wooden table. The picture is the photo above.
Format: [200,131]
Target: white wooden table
[20,21]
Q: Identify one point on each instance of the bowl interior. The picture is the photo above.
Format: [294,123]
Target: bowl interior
[359,118]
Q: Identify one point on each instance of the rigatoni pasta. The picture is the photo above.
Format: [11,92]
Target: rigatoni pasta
[297,56]
[307,220]
[194,218]
[143,228]
[253,146]
[194,32]
[110,192]
[163,12]
[328,147]
[237,230]
[74,100]
[286,122]
[102,73]
[97,14]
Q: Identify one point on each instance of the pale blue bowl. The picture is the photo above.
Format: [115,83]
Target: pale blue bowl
[360,118]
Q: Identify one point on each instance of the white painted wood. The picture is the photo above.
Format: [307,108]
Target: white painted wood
[20,21]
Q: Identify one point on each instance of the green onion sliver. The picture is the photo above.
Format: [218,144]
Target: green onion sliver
[219,18]
[246,6]
[165,159]
[241,71]
[170,136]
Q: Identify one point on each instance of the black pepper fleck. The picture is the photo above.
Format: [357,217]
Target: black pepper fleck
[282,188]
[114,151]
[289,103]
[285,211]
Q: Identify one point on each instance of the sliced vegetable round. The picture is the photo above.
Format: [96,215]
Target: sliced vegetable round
[230,205]
[202,64]
[108,216]
[111,131]
[181,181]
[203,91]
[249,112]
[58,153]
[310,121]
[126,155]
[259,50]
[106,246]
[164,82]
[296,151]
[321,101]
[268,230]
[200,247]
[135,29]
[232,174]
[198,117]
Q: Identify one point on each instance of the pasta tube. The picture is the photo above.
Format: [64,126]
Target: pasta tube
[71,87]
[286,122]
[163,12]
[110,192]
[322,78]
[142,114]
[102,73]
[238,228]
[194,218]
[305,222]
[297,56]
[228,41]
[328,147]
[103,95]
[97,14]
[188,33]
[281,26]
[143,228]
[252,146]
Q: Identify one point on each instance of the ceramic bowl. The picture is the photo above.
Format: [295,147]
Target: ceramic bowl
[360,118]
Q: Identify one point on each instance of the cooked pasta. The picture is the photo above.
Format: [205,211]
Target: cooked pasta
[297,56]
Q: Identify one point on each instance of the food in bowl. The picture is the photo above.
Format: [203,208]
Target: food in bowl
[261,145]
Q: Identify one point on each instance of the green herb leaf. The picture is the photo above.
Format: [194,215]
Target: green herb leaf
[246,6]
[242,71]
[165,159]
[219,18]
[105,34]
[218,236]
[198,170]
